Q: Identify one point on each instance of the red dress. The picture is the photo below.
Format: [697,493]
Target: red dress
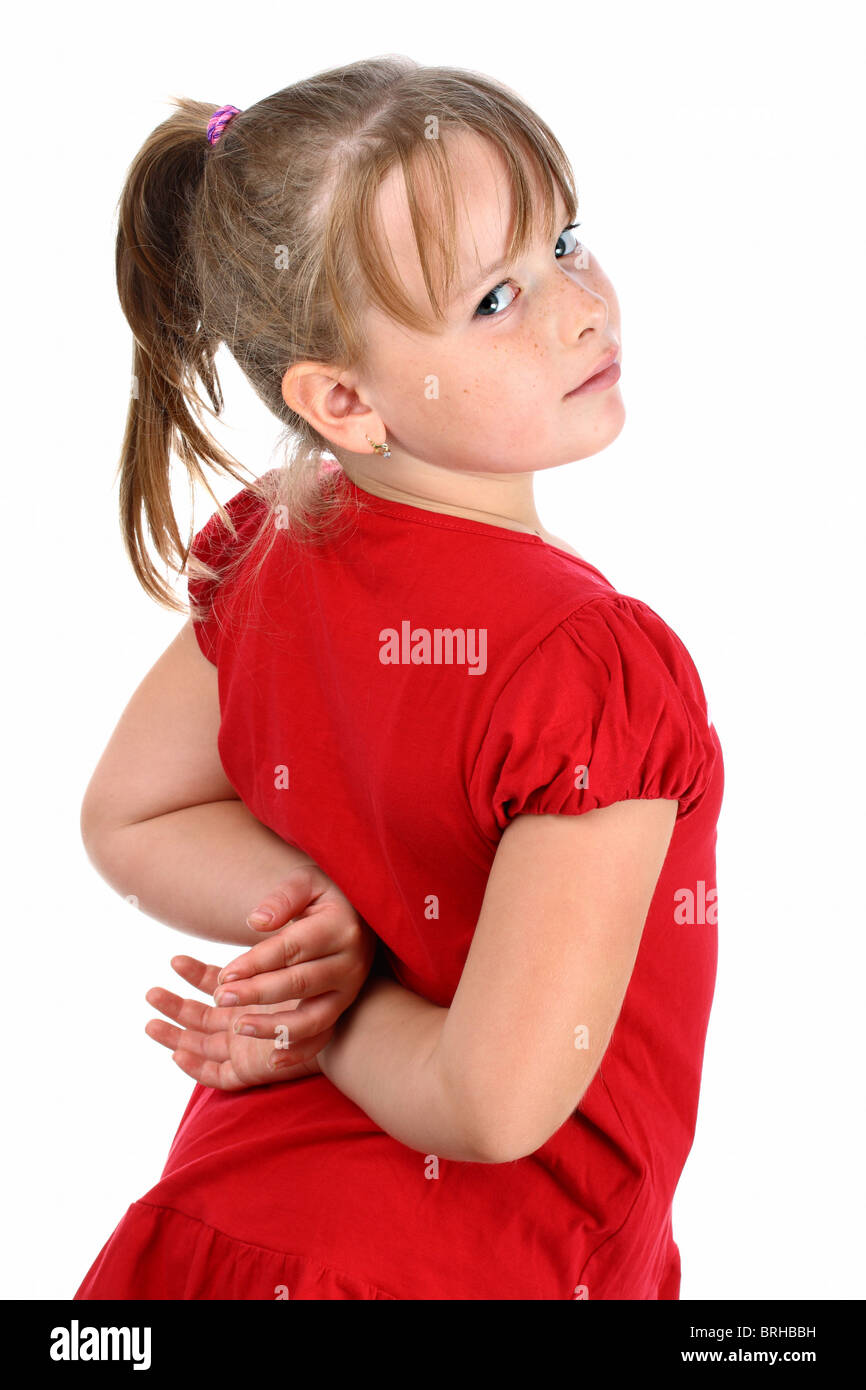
[346,729]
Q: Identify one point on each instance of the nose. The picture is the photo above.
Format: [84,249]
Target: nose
[582,311]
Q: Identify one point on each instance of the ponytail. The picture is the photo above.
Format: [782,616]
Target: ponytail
[172,346]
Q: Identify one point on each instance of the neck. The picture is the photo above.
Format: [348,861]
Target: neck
[502,500]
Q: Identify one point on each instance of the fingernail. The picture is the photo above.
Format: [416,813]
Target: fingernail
[245,1028]
[258,919]
[224,979]
[226,999]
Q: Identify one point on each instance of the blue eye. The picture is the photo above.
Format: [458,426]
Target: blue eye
[506,284]
[570,228]
[503,285]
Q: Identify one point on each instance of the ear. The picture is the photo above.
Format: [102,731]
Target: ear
[315,391]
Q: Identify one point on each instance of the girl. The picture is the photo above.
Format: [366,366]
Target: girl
[448,717]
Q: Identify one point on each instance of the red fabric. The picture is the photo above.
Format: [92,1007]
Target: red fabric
[401,779]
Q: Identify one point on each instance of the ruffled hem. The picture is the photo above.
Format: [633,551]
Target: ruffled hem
[159,1253]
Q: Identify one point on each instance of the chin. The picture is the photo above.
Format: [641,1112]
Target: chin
[608,428]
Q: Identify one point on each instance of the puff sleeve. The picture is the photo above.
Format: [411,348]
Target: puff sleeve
[223,546]
[607,707]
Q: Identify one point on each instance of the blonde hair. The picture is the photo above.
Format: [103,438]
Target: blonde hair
[267,242]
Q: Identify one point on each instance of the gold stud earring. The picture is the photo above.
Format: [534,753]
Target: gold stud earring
[381,449]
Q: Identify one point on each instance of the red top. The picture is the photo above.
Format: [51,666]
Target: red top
[397,770]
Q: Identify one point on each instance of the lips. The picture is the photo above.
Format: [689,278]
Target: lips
[601,366]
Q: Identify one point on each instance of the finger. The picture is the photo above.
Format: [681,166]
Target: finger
[305,1022]
[223,1076]
[298,982]
[196,973]
[281,1058]
[190,1013]
[205,1045]
[291,895]
[274,954]
[308,938]
[220,1075]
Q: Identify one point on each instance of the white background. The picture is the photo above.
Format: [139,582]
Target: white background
[719,161]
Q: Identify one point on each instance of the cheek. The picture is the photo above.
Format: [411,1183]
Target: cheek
[503,376]
[500,385]
[516,378]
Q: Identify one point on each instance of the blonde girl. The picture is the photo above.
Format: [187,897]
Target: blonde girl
[402,715]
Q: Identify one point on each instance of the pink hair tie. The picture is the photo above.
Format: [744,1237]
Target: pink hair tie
[219,120]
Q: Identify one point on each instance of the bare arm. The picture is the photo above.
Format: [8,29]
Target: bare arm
[493,1077]
[160,820]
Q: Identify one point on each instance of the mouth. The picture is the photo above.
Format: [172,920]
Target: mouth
[604,375]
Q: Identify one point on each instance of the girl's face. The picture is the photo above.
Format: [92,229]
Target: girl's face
[488,393]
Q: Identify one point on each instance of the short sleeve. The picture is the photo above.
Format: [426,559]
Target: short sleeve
[607,707]
[222,546]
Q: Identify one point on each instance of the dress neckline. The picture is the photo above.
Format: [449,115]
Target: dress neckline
[403,511]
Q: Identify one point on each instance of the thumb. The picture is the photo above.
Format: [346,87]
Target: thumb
[291,895]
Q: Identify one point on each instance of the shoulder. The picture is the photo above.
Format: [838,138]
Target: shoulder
[232,522]
[605,706]
[600,634]
[630,626]
[222,552]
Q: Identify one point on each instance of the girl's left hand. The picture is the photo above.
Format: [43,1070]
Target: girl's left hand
[317,953]
[207,1048]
